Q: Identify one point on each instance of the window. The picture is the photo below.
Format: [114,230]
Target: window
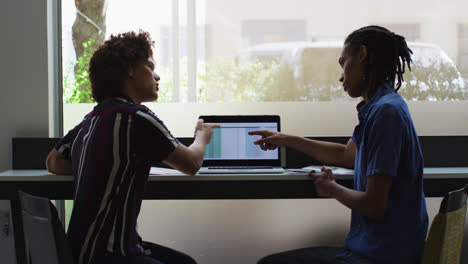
[463,50]
[411,32]
[265,31]
[268,57]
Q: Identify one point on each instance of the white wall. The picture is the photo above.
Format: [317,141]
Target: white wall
[243,231]
[23,87]
[23,73]
[299,118]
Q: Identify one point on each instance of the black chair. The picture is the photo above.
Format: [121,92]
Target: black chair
[39,234]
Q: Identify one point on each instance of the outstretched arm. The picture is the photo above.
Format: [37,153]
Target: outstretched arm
[326,152]
[189,159]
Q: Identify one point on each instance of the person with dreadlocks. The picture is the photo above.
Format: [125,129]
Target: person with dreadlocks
[389,217]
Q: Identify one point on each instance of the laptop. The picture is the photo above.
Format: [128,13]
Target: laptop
[232,149]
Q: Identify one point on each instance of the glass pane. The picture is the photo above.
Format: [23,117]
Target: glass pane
[266,51]
[288,50]
[86,27]
[463,31]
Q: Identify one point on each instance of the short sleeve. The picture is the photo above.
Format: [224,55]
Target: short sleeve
[384,141]
[357,135]
[65,144]
[152,137]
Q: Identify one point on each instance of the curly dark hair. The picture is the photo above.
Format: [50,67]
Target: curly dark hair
[388,54]
[110,62]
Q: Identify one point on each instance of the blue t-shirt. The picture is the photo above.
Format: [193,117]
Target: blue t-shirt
[387,143]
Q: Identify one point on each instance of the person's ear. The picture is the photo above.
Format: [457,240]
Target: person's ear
[362,54]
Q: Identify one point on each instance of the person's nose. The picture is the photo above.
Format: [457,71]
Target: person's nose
[341,77]
[156,76]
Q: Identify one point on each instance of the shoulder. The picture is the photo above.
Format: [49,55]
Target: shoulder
[149,125]
[145,117]
[142,112]
[390,114]
[391,105]
[138,114]
[133,109]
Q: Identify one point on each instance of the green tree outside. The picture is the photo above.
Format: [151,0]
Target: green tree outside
[226,80]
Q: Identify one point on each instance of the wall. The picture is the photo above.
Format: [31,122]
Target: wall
[23,88]
[243,231]
[23,69]
[299,118]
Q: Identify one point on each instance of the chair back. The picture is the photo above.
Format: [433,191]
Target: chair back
[40,234]
[445,239]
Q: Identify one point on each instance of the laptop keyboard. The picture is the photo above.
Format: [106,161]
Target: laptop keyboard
[239,167]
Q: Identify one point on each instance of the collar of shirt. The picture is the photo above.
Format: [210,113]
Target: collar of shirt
[128,100]
[363,107]
[120,98]
[125,99]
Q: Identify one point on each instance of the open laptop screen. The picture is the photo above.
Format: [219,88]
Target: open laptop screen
[232,142]
[231,145]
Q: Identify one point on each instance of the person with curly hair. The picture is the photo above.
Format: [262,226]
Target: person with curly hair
[110,154]
[389,218]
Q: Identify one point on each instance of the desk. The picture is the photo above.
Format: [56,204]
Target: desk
[291,185]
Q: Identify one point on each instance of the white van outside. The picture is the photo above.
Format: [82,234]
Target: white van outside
[313,69]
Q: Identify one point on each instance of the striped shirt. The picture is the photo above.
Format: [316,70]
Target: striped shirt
[111,151]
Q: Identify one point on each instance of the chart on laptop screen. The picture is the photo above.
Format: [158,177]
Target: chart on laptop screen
[232,142]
